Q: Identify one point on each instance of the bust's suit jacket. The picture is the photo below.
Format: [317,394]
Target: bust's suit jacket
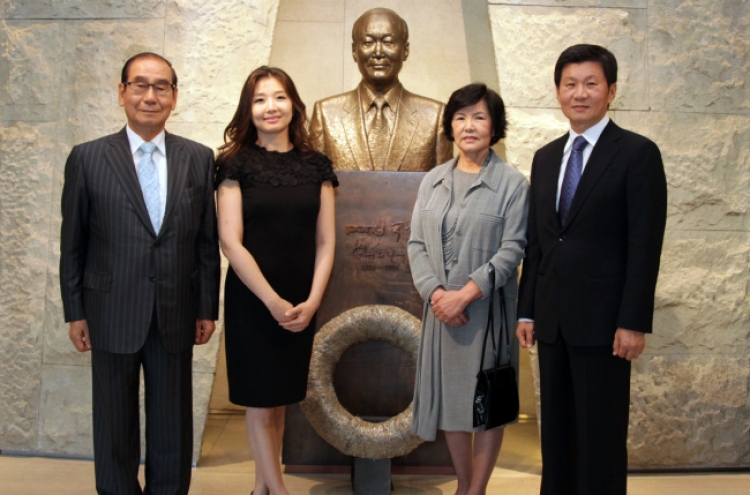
[598,271]
[114,269]
[337,129]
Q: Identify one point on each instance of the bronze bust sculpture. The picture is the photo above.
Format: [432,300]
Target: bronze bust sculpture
[380,125]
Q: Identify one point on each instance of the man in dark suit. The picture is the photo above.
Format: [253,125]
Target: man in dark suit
[139,275]
[380,125]
[596,223]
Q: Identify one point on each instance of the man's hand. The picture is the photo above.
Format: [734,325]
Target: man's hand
[629,344]
[525,333]
[203,331]
[79,335]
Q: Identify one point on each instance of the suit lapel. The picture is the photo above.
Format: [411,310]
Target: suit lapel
[549,177]
[403,132]
[177,168]
[355,134]
[601,157]
[120,159]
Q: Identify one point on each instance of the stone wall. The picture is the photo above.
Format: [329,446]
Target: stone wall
[683,82]
[59,69]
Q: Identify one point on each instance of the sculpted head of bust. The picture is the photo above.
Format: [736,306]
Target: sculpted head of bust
[380,45]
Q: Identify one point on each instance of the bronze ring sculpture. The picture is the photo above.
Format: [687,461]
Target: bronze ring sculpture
[349,434]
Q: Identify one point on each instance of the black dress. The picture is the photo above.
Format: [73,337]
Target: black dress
[267,365]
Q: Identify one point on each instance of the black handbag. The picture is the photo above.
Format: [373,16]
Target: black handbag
[496,395]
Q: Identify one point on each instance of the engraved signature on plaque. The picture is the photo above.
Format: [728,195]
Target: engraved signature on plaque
[380,245]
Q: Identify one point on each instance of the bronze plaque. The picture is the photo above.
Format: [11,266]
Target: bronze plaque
[373,220]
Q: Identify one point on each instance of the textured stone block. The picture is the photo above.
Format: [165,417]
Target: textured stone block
[26,156]
[65,411]
[76,9]
[214,47]
[201,393]
[529,130]
[95,53]
[528,41]
[706,158]
[690,411]
[698,58]
[701,298]
[29,74]
[627,4]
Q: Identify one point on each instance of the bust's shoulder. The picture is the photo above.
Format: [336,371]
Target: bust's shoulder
[421,101]
[336,101]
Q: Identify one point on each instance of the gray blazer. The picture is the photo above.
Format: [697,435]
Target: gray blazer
[493,230]
[114,269]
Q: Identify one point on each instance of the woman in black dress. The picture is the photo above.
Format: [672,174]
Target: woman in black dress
[276,225]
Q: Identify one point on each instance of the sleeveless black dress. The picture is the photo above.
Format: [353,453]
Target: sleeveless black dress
[267,366]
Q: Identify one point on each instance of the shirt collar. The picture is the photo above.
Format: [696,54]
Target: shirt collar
[136,141]
[391,97]
[488,175]
[591,135]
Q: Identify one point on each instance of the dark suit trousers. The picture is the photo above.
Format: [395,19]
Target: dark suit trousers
[585,395]
[169,419]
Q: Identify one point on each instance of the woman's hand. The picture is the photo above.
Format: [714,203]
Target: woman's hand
[298,317]
[278,308]
[437,298]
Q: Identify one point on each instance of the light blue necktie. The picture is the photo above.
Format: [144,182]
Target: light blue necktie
[149,179]
[571,178]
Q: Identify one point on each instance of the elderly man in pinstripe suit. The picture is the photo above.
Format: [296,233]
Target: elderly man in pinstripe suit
[139,275]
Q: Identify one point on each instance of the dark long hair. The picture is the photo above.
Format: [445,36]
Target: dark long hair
[242,133]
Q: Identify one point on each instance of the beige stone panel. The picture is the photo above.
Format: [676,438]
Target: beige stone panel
[26,155]
[95,52]
[690,411]
[311,11]
[29,70]
[65,418]
[706,159]
[627,4]
[312,54]
[529,40]
[202,383]
[438,63]
[214,46]
[698,55]
[528,130]
[701,303]
[76,9]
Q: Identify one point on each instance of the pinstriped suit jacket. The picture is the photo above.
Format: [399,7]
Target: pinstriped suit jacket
[114,269]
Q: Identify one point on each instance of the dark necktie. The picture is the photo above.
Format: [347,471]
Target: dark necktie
[378,135]
[571,178]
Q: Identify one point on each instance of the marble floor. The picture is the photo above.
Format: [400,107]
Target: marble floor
[226,467]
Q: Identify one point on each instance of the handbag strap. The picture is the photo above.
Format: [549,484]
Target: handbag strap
[491,323]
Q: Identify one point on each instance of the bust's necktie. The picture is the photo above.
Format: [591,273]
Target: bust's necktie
[378,134]
[571,178]
[149,179]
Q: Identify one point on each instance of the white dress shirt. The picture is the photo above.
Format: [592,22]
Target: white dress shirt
[160,159]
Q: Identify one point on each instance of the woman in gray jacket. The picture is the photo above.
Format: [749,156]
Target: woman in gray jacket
[470,213]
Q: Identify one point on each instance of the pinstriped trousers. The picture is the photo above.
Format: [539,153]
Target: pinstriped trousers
[169,419]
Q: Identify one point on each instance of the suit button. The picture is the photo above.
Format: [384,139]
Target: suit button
[152,278]
[157,243]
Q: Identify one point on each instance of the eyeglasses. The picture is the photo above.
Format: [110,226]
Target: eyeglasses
[160,88]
